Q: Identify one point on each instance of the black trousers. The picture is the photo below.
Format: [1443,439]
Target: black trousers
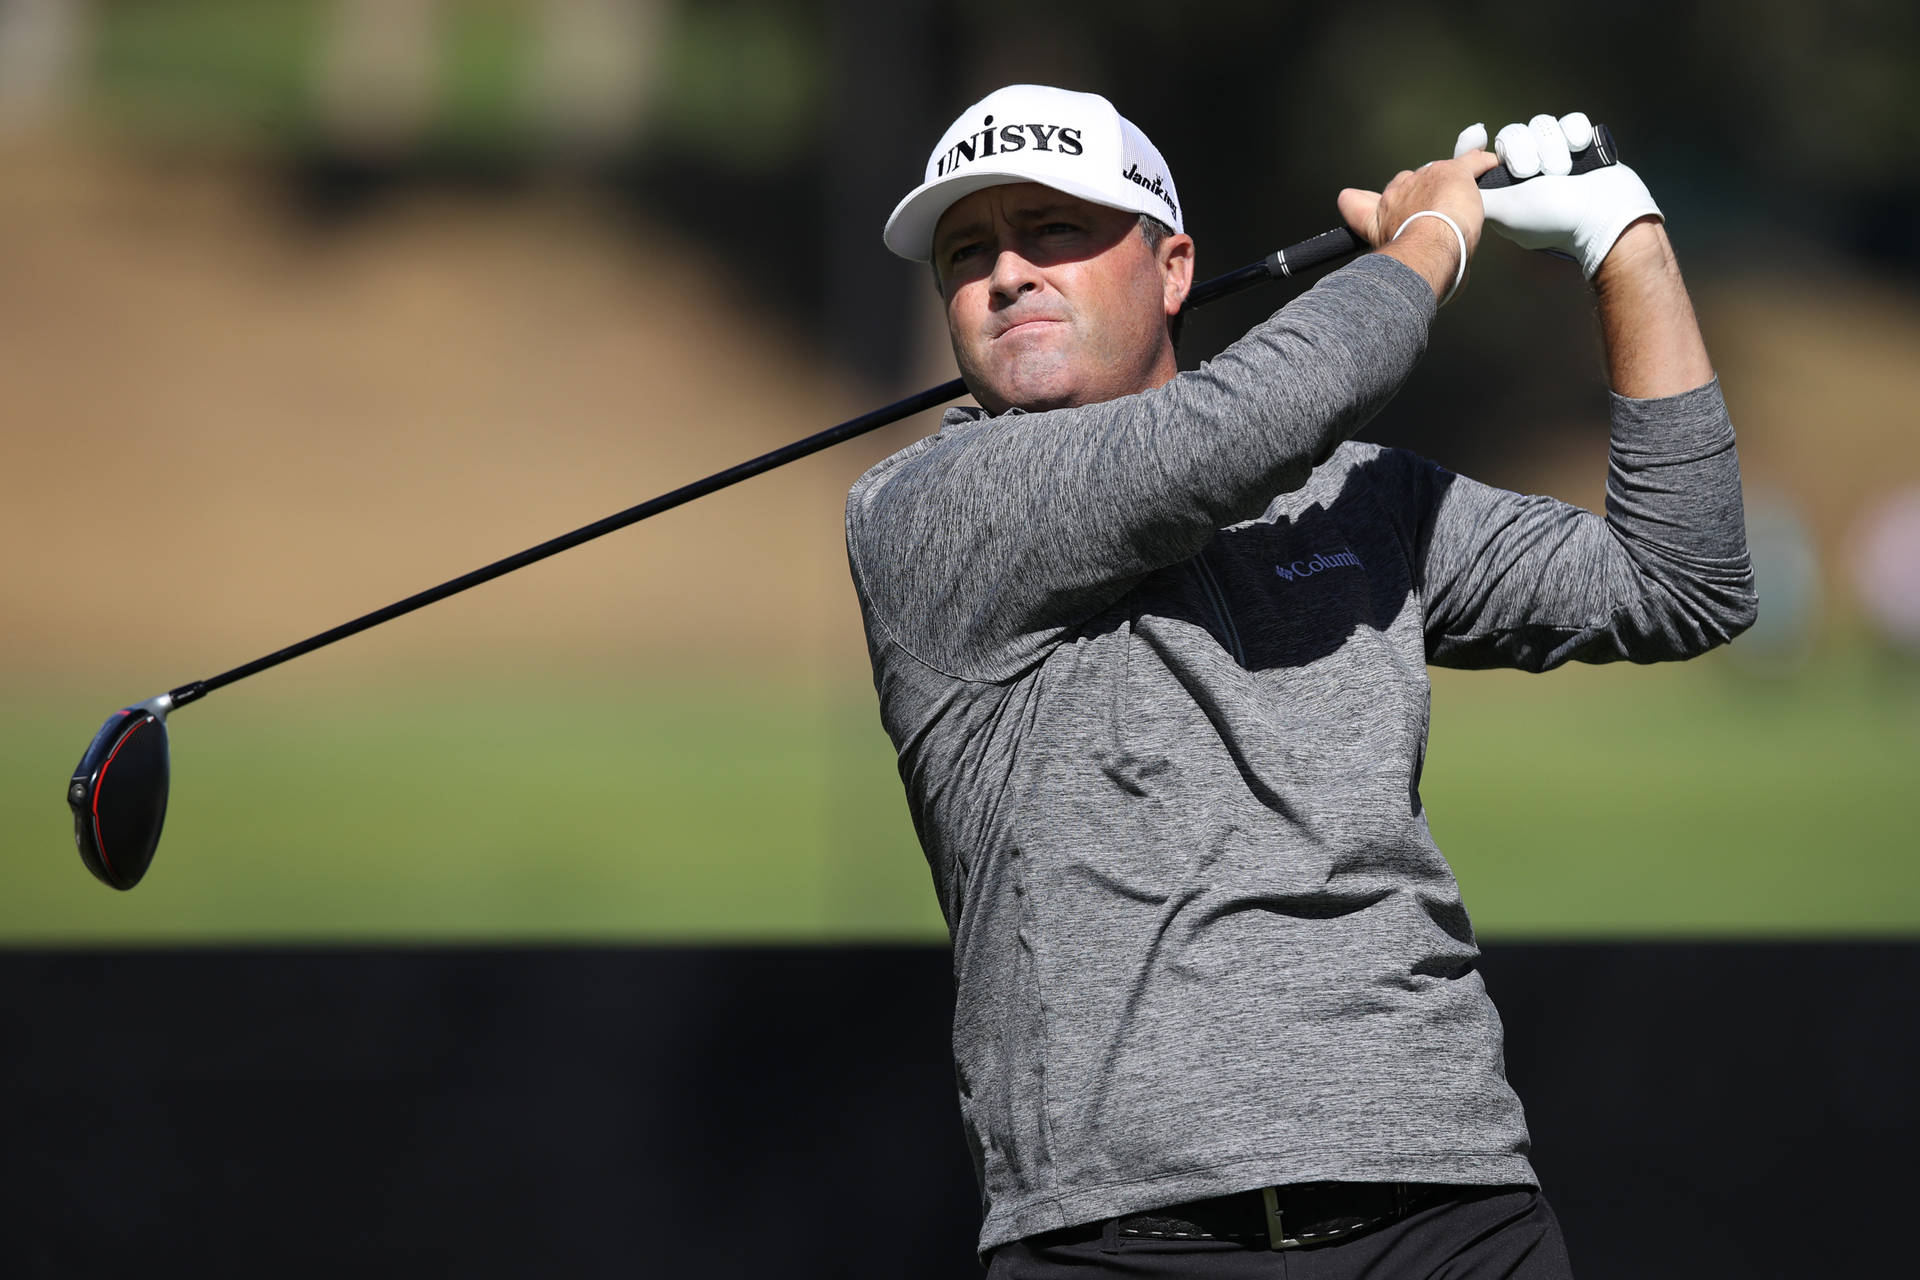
[1483,1233]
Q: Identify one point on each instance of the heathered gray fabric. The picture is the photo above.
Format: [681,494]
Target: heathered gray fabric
[1161,732]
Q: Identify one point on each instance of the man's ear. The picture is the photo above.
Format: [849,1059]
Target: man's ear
[1176,270]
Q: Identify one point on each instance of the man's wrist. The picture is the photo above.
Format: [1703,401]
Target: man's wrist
[1641,252]
[1429,248]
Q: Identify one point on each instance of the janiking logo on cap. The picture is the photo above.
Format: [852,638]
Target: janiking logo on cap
[1156,184]
[1012,137]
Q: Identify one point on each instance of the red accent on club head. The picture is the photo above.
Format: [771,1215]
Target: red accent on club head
[101,782]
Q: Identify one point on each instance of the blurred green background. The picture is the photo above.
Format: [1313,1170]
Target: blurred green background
[307,304]
[1603,803]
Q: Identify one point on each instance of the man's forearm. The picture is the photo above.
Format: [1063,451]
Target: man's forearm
[1653,342]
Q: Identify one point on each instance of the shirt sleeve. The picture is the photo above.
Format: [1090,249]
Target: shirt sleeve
[980,551]
[1515,580]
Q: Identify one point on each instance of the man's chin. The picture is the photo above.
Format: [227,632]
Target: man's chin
[1036,395]
[1025,401]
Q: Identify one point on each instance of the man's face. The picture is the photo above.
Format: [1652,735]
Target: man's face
[1055,301]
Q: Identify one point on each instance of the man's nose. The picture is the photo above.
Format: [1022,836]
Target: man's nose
[1012,275]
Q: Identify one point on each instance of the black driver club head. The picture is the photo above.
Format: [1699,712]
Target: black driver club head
[119,794]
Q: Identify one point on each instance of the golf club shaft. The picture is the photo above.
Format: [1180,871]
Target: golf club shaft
[1327,247]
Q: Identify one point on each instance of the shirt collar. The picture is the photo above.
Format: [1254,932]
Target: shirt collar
[962,414]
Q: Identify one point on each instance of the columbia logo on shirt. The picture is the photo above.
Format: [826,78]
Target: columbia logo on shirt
[1318,562]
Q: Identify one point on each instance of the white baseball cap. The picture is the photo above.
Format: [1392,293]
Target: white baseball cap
[1072,142]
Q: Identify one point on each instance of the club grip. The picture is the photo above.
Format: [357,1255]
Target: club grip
[1598,155]
[1328,246]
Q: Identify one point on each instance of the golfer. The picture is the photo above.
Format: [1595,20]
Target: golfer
[1152,647]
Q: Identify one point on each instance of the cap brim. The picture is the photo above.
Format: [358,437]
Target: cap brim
[909,231]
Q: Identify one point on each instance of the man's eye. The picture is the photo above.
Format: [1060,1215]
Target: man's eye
[1058,228]
[962,253]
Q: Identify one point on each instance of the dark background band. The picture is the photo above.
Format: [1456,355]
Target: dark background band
[1697,1109]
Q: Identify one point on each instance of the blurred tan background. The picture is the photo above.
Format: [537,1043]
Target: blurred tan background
[233,420]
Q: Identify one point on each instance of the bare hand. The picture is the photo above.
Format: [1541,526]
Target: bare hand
[1445,186]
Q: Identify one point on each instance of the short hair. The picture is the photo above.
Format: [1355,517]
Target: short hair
[1154,232]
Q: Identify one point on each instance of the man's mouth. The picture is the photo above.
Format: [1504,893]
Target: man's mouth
[1027,324]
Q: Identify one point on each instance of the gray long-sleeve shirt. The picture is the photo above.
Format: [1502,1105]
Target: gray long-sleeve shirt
[1156,672]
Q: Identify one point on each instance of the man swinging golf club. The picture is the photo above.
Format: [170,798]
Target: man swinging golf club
[1152,647]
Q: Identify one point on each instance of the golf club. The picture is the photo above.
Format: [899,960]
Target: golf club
[118,792]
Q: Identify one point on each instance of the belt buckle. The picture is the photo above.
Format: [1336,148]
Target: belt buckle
[1276,1235]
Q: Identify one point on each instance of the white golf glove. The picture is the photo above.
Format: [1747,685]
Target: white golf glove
[1580,215]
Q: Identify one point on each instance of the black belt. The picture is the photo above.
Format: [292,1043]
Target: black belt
[1289,1217]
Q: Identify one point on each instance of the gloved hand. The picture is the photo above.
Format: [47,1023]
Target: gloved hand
[1579,215]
